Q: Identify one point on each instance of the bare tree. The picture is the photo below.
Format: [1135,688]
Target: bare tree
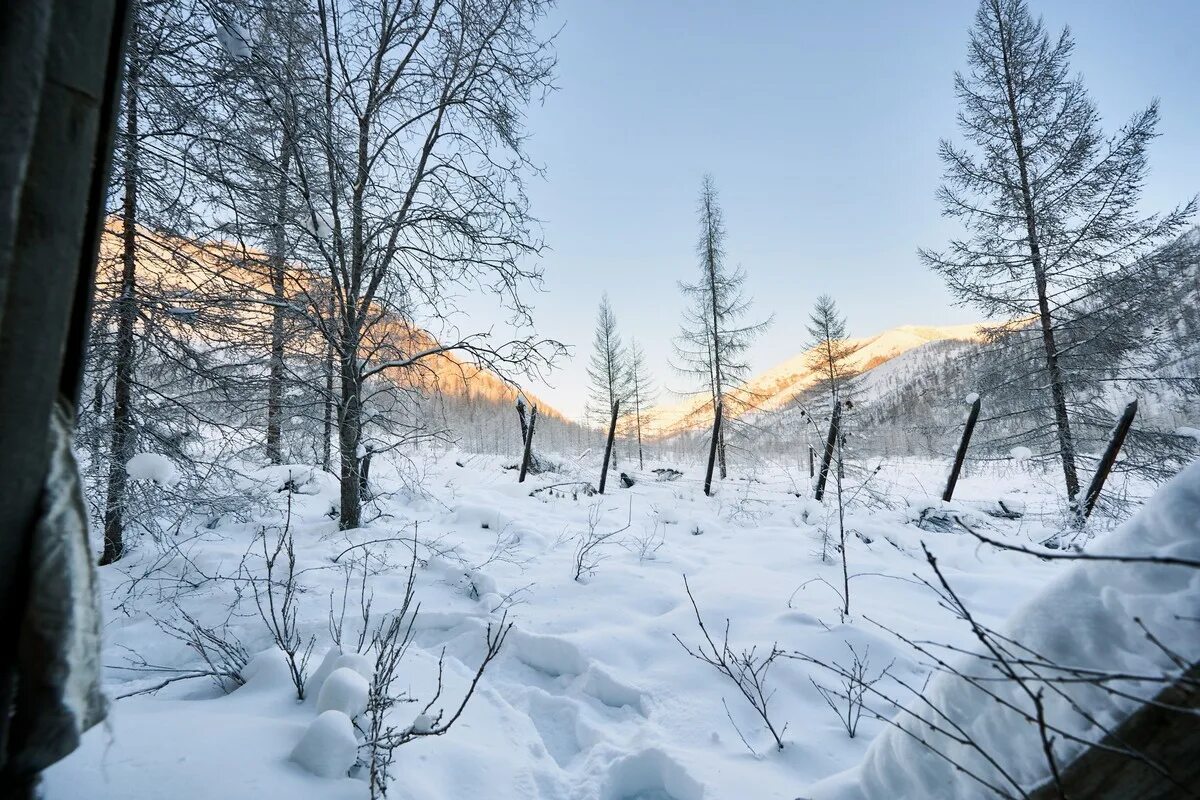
[642,394]
[608,369]
[712,345]
[409,175]
[1050,205]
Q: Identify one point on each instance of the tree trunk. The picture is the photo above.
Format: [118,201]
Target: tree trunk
[1058,393]
[608,448]
[961,455]
[327,438]
[123,434]
[1106,462]
[637,409]
[712,449]
[278,314]
[528,442]
[349,436]
[721,444]
[827,456]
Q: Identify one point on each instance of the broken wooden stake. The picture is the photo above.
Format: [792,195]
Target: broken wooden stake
[528,442]
[712,450]
[1109,458]
[961,455]
[612,432]
[811,469]
[827,456]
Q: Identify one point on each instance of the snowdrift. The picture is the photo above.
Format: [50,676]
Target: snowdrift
[1084,618]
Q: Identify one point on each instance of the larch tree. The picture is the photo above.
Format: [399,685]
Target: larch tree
[715,337]
[609,377]
[829,349]
[1050,208]
[642,394]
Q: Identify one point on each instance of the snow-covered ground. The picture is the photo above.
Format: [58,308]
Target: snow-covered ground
[591,697]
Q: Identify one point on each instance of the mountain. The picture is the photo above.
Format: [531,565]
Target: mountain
[216,291]
[774,388]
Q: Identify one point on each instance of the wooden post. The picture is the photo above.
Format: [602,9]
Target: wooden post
[1109,458]
[962,449]
[528,443]
[612,432]
[827,456]
[712,449]
[811,469]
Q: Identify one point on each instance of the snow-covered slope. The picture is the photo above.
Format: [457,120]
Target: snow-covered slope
[1093,618]
[775,387]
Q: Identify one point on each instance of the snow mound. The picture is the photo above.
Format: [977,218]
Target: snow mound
[361,664]
[344,690]
[327,666]
[1020,453]
[152,467]
[651,774]
[1085,618]
[328,748]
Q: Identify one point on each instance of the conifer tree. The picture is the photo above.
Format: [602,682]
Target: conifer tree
[1049,205]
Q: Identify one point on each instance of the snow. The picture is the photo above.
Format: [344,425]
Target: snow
[344,690]
[1191,433]
[152,467]
[233,38]
[322,228]
[1088,618]
[1020,453]
[328,748]
[591,697]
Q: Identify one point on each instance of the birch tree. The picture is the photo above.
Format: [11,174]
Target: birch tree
[410,176]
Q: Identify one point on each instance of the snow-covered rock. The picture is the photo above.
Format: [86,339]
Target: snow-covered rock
[344,690]
[328,748]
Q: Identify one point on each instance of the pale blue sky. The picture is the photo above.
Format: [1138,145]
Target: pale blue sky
[819,122]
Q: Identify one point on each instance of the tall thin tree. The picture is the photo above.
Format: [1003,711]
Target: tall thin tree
[1049,203]
[610,381]
[715,338]
[642,394]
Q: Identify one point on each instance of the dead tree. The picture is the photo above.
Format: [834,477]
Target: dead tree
[612,432]
[712,449]
[528,440]
[1109,458]
[972,418]
[827,456]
